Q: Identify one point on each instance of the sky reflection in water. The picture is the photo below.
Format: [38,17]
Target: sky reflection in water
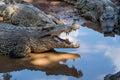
[99,56]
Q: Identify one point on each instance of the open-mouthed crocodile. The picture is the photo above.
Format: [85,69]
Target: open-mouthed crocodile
[17,41]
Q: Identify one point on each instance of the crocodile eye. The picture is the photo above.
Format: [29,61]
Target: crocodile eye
[104,18]
[112,17]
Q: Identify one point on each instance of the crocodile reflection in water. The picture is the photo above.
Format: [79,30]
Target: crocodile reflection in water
[46,62]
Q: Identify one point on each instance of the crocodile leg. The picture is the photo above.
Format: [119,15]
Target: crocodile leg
[19,51]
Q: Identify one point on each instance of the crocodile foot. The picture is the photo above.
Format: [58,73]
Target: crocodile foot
[17,55]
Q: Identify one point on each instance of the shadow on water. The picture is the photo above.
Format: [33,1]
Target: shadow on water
[46,62]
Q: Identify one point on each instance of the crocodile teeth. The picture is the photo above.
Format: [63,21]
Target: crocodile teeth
[64,36]
[67,33]
[70,36]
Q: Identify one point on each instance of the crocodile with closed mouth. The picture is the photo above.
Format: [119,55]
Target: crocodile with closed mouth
[103,11]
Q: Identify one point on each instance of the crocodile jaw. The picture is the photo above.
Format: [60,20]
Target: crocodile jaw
[52,39]
[66,40]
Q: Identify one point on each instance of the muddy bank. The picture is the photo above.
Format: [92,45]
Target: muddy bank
[61,10]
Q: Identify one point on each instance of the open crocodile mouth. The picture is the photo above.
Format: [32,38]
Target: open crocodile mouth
[68,38]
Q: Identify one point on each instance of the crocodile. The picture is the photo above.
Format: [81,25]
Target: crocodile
[25,15]
[104,12]
[17,41]
[117,29]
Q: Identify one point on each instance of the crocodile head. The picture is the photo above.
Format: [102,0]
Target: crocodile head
[108,19]
[49,38]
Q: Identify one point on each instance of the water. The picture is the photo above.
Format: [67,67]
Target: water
[99,54]
[96,57]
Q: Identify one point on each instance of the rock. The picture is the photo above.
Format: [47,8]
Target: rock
[112,76]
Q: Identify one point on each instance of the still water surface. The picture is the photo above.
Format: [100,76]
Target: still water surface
[96,57]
